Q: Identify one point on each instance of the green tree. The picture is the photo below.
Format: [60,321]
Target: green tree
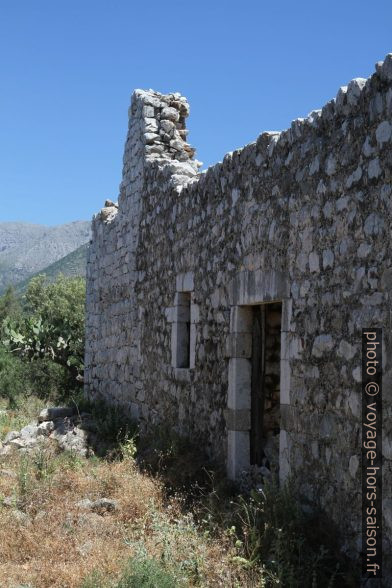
[10,306]
[52,326]
[12,377]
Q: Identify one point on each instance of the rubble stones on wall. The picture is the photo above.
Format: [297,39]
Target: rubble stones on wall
[314,203]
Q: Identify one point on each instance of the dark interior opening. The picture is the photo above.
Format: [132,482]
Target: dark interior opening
[184,329]
[265,387]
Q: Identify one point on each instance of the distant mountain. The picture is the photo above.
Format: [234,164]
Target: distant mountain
[26,249]
[72,265]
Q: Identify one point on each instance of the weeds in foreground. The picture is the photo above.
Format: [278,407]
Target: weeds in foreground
[273,531]
[269,531]
[51,540]
[165,532]
[138,573]
[24,481]
[24,412]
[112,424]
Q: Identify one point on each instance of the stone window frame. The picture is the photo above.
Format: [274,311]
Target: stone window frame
[247,289]
[176,315]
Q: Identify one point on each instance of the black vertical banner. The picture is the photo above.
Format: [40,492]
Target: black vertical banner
[371,453]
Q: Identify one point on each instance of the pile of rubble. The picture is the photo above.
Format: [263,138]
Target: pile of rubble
[72,431]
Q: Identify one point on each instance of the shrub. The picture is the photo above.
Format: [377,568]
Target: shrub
[113,424]
[41,378]
[181,463]
[53,324]
[140,572]
[10,306]
[146,573]
[276,533]
[48,380]
[12,376]
[47,334]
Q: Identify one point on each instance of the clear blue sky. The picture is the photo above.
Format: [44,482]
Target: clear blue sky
[68,68]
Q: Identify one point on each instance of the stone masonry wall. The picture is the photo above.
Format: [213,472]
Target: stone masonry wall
[306,211]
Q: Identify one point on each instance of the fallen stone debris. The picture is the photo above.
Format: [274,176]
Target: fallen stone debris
[64,426]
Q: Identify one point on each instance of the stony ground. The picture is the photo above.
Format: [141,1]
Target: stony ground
[64,427]
[66,514]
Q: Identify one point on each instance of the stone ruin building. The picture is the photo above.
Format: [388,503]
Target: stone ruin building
[229,303]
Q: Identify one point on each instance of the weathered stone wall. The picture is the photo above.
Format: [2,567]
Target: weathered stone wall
[302,216]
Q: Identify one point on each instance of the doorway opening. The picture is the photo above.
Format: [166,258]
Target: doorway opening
[265,385]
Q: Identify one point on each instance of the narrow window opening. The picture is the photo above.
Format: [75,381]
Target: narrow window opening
[265,385]
[183,329]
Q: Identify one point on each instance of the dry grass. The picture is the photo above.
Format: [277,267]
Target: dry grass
[14,420]
[48,540]
[55,543]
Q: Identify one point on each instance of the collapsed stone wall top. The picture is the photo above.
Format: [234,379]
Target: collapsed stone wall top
[163,124]
[157,136]
[157,132]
